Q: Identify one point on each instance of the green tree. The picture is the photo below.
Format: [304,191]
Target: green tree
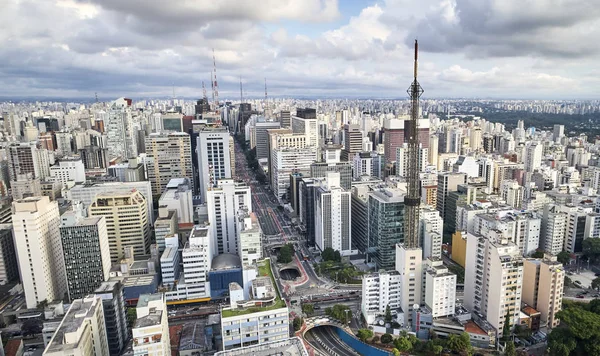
[403,344]
[337,257]
[388,314]
[563,257]
[437,349]
[375,339]
[537,254]
[459,343]
[308,309]
[131,316]
[506,328]
[591,249]
[328,254]
[596,283]
[364,334]
[510,349]
[286,253]
[578,334]
[396,352]
[31,327]
[386,338]
[297,323]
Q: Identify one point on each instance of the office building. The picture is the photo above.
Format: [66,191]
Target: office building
[177,196]
[224,201]
[553,229]
[285,161]
[171,121]
[170,261]
[86,193]
[115,317]
[333,215]
[250,238]
[68,170]
[440,289]
[432,230]
[166,225]
[214,158]
[82,331]
[543,288]
[533,156]
[86,252]
[150,330]
[285,118]
[134,170]
[353,139]
[24,158]
[409,266]
[9,268]
[260,137]
[447,182]
[306,214]
[26,186]
[320,170]
[36,224]
[169,157]
[402,159]
[558,132]
[493,279]
[305,123]
[94,157]
[379,291]
[393,137]
[121,130]
[126,220]
[385,225]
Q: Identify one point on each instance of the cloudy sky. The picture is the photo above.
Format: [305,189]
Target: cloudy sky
[310,48]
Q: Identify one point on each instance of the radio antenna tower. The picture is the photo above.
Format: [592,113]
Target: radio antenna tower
[216,86]
[266,100]
[241,95]
[212,88]
[413,198]
[203,90]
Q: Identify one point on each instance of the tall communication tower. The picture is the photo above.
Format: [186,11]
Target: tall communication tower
[265,105]
[413,198]
[216,86]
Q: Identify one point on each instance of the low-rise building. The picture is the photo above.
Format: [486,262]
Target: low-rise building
[151,328]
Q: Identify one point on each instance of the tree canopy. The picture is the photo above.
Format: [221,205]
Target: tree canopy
[563,257]
[591,249]
[364,334]
[579,332]
[329,254]
[286,253]
[459,343]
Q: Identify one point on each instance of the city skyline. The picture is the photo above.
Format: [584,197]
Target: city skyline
[318,48]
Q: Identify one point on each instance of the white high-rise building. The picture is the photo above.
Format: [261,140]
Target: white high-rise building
[250,238]
[332,215]
[512,193]
[409,265]
[309,128]
[440,289]
[552,236]
[214,158]
[402,159]
[224,201]
[36,222]
[432,230]
[82,331]
[150,331]
[533,156]
[169,157]
[120,130]
[558,132]
[493,278]
[177,196]
[285,161]
[68,170]
[380,290]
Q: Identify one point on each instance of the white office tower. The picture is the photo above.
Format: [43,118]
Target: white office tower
[402,159]
[433,150]
[558,132]
[127,222]
[250,238]
[362,165]
[214,158]
[68,170]
[82,331]
[166,225]
[177,196]
[86,252]
[332,215]
[543,288]
[170,261]
[36,222]
[554,222]
[380,290]
[533,156]
[432,229]
[150,331]
[121,136]
[486,171]
[475,138]
[196,257]
[288,160]
[512,193]
[493,279]
[224,201]
[169,157]
[307,127]
[409,266]
[467,165]
[440,288]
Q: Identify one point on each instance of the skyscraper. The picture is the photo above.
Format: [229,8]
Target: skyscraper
[386,222]
[36,223]
[332,215]
[86,251]
[113,304]
[150,330]
[353,137]
[214,159]
[121,132]
[169,156]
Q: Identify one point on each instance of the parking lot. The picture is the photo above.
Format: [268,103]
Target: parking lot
[584,277]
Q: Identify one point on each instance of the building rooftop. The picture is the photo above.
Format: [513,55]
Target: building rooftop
[80,310]
[226,261]
[153,318]
[529,311]
[473,328]
[147,298]
[289,347]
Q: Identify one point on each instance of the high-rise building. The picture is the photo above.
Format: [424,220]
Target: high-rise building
[512,193]
[115,317]
[448,182]
[285,118]
[533,156]
[150,330]
[166,224]
[214,159]
[86,252]
[333,215]
[126,220]
[432,230]
[353,139]
[250,238]
[285,161]
[24,158]
[554,223]
[543,287]
[402,158]
[68,169]
[82,330]
[493,279]
[224,201]
[409,266]
[379,291]
[307,125]
[440,289]
[321,169]
[26,186]
[385,225]
[9,268]
[169,156]
[306,195]
[177,195]
[121,130]
[261,137]
[36,222]
[393,137]
[94,157]
[558,132]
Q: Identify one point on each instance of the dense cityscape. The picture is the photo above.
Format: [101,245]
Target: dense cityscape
[336,216]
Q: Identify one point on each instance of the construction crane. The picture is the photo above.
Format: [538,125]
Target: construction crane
[412,200]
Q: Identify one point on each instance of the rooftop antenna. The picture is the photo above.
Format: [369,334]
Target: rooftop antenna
[413,199]
[212,87]
[216,85]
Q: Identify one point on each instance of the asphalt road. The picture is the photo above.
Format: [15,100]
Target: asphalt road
[327,335]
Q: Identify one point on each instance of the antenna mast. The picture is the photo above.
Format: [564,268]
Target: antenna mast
[241,95]
[216,86]
[266,100]
[413,199]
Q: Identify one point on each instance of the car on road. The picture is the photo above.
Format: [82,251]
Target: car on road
[580,296]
